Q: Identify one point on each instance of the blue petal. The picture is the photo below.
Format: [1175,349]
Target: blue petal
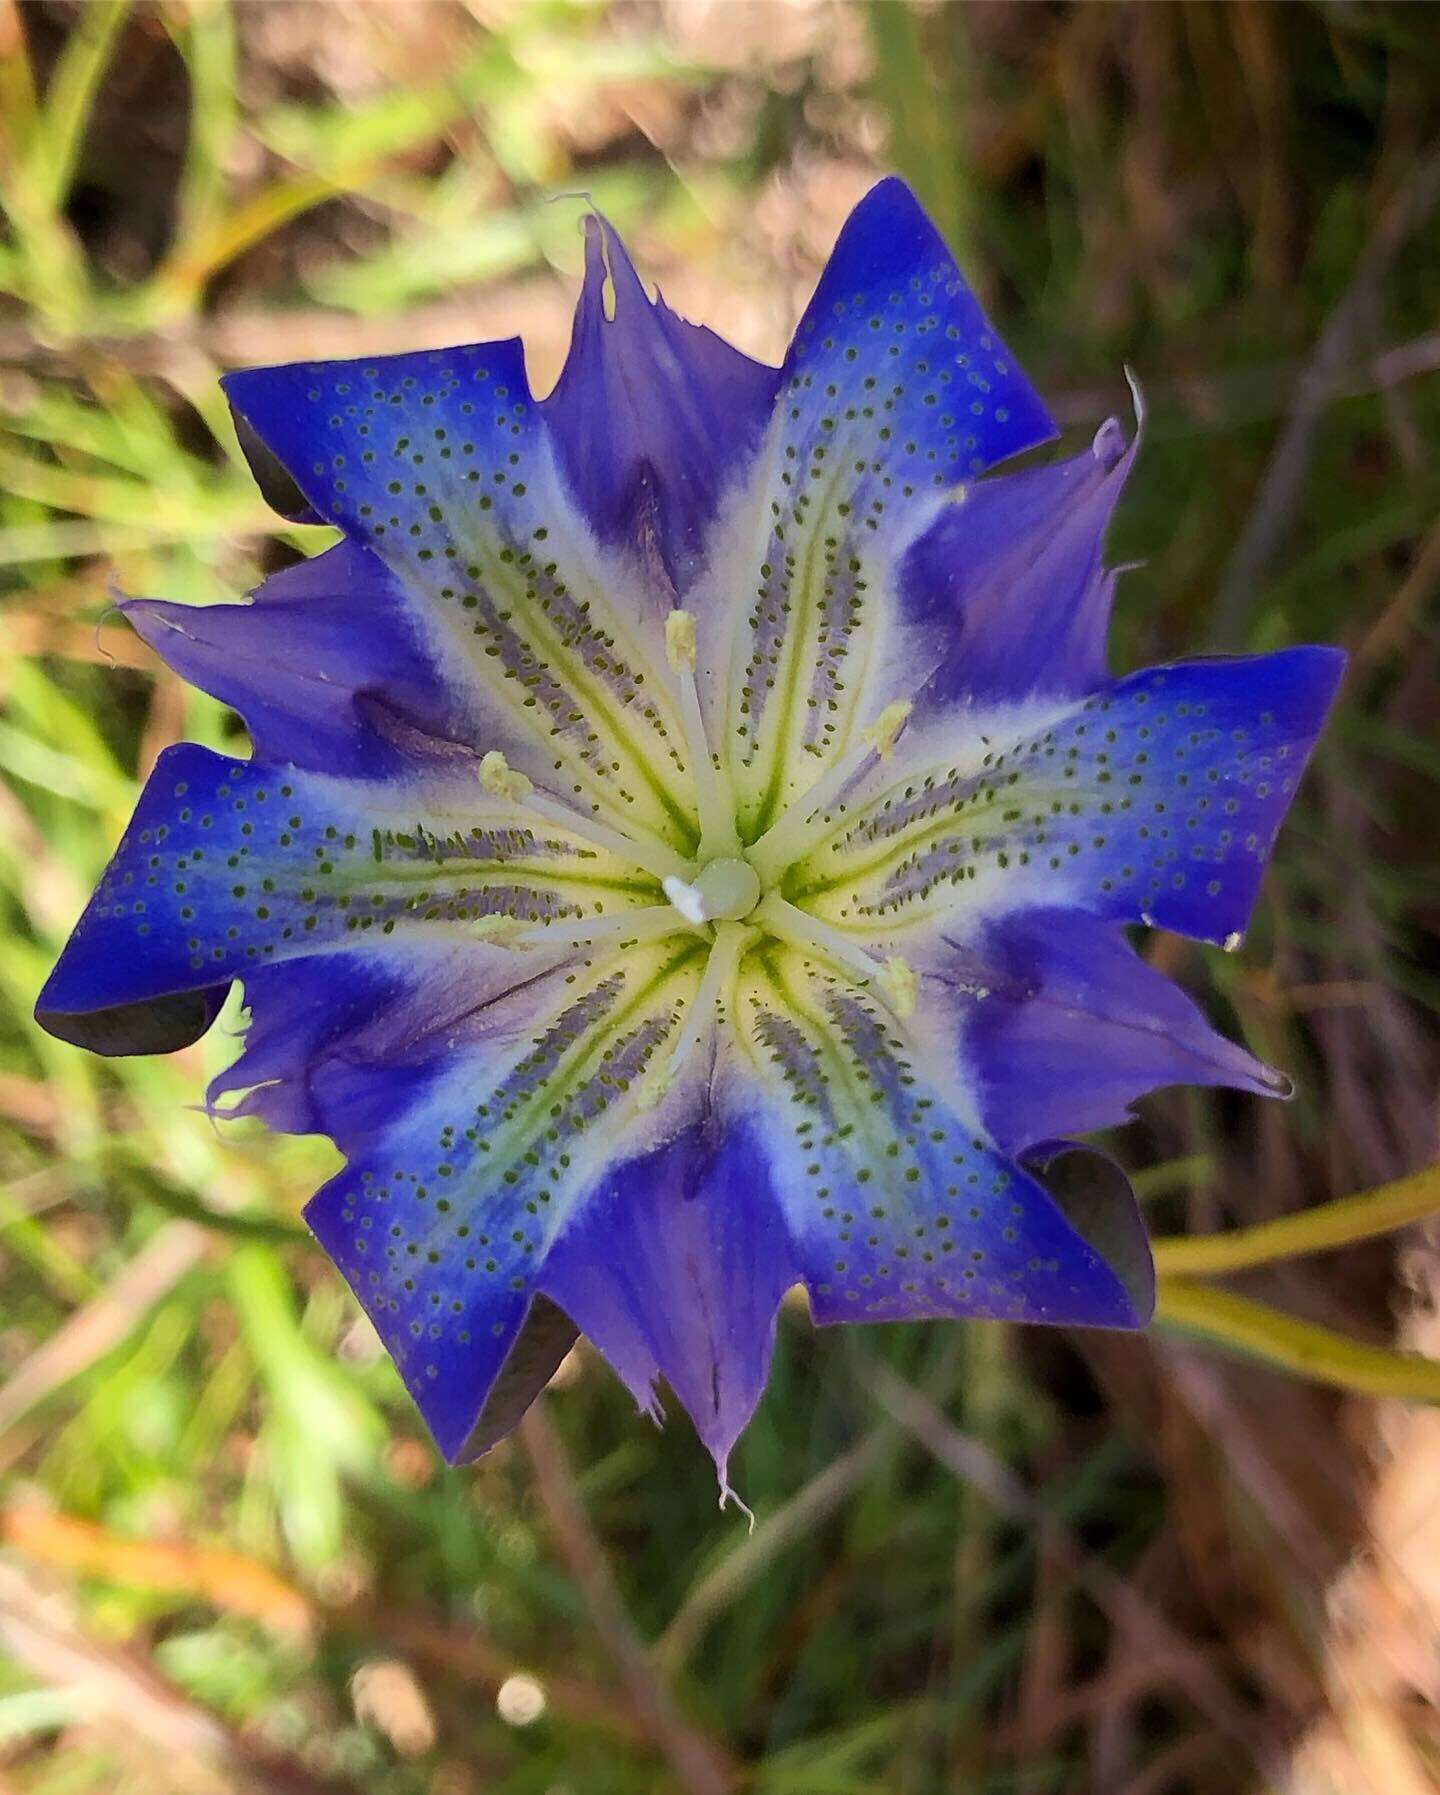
[360,437]
[675,1268]
[1015,571]
[231,866]
[476,1150]
[447,1295]
[441,464]
[892,308]
[324,657]
[1063,1026]
[1155,800]
[895,389]
[654,418]
[899,1204]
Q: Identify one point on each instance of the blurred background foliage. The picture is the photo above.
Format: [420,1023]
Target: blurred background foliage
[985,1561]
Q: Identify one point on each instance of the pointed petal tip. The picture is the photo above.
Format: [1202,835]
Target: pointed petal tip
[1137,398]
[894,191]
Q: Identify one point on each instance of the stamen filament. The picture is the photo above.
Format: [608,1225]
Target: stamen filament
[648,922]
[799,929]
[798,827]
[714,802]
[641,849]
[647,852]
[731,941]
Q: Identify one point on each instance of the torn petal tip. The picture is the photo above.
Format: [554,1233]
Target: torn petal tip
[728,1495]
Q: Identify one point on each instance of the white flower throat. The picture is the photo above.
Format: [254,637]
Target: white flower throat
[729,893]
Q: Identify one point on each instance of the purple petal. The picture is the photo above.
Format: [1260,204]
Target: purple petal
[654,418]
[311,1018]
[327,648]
[1063,1026]
[1016,572]
[674,1268]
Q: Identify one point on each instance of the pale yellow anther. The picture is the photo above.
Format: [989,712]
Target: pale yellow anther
[883,732]
[900,985]
[499,929]
[501,780]
[654,1087]
[680,647]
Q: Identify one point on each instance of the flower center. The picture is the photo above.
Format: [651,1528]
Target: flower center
[729,893]
[724,890]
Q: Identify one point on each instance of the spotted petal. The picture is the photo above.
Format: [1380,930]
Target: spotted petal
[1155,800]
[230,867]
[895,389]
[441,465]
[898,1202]
[472,1154]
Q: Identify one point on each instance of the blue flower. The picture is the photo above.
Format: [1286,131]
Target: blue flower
[690,838]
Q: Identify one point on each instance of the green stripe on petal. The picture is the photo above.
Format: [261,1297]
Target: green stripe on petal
[805,665]
[1156,800]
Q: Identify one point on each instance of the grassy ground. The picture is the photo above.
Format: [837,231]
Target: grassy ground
[985,1562]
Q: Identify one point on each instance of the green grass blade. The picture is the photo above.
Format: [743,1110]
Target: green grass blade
[1240,1324]
[1317,1230]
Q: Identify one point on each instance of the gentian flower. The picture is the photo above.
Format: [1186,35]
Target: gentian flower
[690,839]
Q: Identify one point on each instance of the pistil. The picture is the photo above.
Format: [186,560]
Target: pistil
[726,890]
